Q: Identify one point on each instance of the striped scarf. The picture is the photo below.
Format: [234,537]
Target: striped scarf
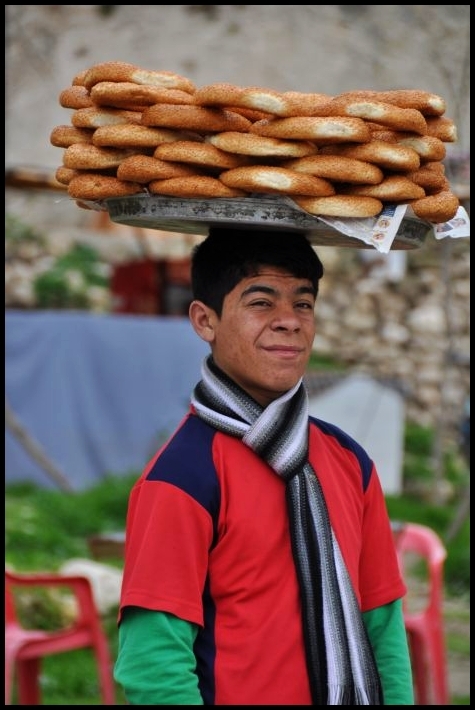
[340,661]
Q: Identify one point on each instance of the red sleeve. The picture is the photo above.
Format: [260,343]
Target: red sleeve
[380,577]
[168,536]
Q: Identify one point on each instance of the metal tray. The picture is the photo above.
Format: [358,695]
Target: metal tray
[196,216]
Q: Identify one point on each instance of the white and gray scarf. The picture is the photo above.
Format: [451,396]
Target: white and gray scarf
[340,661]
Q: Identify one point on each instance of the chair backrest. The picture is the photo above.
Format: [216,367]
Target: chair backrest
[86,614]
[77,626]
[11,616]
[415,542]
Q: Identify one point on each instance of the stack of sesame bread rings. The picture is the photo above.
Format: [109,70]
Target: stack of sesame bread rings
[139,131]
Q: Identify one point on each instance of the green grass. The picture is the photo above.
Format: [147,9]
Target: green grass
[45,528]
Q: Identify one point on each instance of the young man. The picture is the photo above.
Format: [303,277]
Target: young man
[259,567]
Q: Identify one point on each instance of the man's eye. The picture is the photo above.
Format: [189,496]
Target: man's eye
[261,302]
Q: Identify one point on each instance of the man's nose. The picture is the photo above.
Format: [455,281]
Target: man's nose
[285,317]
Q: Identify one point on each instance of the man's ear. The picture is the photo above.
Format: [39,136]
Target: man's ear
[202,319]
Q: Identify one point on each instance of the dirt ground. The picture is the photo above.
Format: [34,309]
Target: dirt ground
[459,677]
[457,623]
[457,635]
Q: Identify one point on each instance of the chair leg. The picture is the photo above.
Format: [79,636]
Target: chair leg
[439,674]
[106,680]
[419,669]
[429,670]
[9,678]
[28,681]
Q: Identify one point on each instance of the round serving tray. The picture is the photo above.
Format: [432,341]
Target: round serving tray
[196,216]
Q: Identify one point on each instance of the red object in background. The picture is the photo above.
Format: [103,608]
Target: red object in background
[25,648]
[152,287]
[136,288]
[177,272]
[425,624]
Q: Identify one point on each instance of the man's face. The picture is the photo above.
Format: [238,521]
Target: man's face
[264,337]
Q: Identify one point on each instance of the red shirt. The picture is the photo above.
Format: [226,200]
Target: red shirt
[208,541]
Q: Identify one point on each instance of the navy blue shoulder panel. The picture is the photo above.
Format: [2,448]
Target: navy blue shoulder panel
[347,442]
[187,462]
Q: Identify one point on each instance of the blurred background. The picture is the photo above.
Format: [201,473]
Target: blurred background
[402,318]
[100,358]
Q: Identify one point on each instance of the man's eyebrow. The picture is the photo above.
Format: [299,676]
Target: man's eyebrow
[261,288]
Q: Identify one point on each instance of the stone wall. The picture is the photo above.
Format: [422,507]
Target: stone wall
[413,330]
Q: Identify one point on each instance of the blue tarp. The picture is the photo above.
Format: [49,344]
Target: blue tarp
[98,393]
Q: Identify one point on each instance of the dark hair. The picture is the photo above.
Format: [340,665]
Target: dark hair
[228,255]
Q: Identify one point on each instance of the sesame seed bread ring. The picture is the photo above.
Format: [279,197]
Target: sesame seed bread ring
[269,101]
[430,179]
[445,186]
[197,186]
[263,179]
[94,117]
[266,100]
[64,136]
[194,118]
[108,71]
[251,113]
[286,104]
[428,147]
[202,154]
[232,96]
[219,94]
[427,103]
[378,133]
[123,71]
[145,168]
[390,156]
[83,156]
[401,119]
[100,187]
[128,135]
[78,79]
[121,93]
[337,168]
[65,175]
[252,144]
[436,166]
[75,97]
[254,97]
[443,128]
[437,208]
[340,205]
[314,128]
[395,188]
[300,103]
[424,101]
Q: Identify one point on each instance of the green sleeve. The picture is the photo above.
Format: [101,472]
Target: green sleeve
[155,663]
[387,634]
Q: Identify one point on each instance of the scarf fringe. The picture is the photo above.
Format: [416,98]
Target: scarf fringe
[337,695]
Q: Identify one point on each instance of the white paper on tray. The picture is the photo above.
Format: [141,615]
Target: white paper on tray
[378,231]
[381,231]
[458,226]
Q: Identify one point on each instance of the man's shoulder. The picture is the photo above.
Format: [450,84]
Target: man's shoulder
[338,441]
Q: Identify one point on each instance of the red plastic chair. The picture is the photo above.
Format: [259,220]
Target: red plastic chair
[25,648]
[424,623]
